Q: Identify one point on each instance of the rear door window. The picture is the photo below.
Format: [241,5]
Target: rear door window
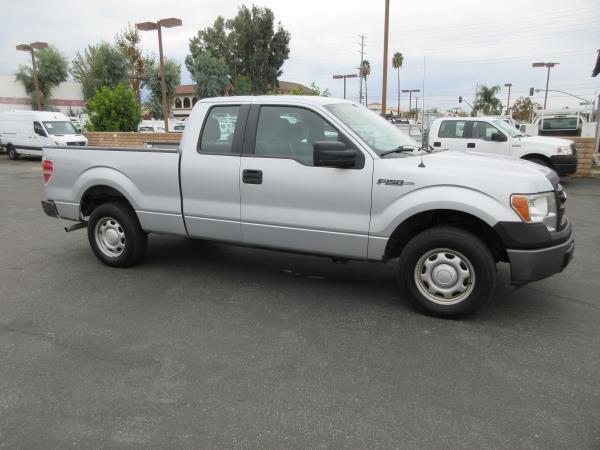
[452,129]
[218,130]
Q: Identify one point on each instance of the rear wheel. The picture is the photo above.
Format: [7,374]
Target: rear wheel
[447,272]
[11,151]
[116,236]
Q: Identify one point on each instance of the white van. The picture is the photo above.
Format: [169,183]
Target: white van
[27,132]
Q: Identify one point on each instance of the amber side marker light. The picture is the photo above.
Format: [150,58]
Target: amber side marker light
[520,203]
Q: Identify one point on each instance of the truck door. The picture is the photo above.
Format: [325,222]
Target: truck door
[287,202]
[480,139]
[210,171]
[451,135]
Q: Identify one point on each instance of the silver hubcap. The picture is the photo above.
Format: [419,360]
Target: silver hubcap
[444,276]
[110,237]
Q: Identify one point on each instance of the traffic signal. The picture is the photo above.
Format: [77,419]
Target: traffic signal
[460,99]
[531,92]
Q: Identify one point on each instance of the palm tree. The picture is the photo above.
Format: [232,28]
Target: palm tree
[487,100]
[397,61]
[365,71]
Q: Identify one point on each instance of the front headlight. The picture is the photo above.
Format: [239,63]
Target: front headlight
[564,150]
[536,208]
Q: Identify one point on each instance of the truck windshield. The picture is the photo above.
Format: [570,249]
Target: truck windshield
[508,129]
[560,123]
[60,128]
[377,132]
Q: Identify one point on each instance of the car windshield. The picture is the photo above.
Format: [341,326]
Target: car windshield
[377,132]
[59,128]
[508,129]
[560,123]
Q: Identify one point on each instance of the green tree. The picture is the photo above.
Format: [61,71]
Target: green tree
[172,80]
[487,102]
[523,108]
[211,75]
[128,41]
[316,90]
[114,109]
[243,86]
[397,61]
[365,71]
[248,44]
[52,70]
[101,65]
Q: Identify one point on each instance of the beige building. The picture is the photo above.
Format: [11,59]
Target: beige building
[66,97]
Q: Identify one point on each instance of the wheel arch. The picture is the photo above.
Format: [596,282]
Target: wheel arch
[425,220]
[100,194]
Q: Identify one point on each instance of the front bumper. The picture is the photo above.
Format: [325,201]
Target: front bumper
[564,165]
[532,265]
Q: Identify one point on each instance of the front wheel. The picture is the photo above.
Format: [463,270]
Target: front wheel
[116,236]
[447,272]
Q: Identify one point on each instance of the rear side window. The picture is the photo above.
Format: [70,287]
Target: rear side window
[452,129]
[219,127]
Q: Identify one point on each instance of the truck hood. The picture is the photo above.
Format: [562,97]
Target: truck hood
[479,171]
[546,141]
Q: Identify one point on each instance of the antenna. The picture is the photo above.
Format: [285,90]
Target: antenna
[421,163]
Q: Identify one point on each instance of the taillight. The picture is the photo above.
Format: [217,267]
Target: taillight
[47,169]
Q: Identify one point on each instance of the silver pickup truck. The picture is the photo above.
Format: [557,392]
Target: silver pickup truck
[326,177]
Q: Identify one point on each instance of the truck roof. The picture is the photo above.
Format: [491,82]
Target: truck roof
[24,114]
[276,99]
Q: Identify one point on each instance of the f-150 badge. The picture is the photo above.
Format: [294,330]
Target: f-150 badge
[395,182]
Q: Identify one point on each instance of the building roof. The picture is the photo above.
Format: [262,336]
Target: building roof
[289,86]
[185,89]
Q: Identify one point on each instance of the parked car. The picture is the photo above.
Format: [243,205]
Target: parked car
[496,137]
[448,217]
[27,132]
[151,126]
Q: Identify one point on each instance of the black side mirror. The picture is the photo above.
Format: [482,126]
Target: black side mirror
[333,154]
[498,137]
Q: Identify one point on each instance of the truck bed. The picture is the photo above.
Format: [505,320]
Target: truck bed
[148,177]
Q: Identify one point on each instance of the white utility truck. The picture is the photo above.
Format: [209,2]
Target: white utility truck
[321,176]
[491,136]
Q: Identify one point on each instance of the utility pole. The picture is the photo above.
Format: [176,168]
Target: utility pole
[31,49]
[386,29]
[548,65]
[508,85]
[416,108]
[343,77]
[158,25]
[362,56]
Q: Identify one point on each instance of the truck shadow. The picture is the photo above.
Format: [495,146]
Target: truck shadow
[303,275]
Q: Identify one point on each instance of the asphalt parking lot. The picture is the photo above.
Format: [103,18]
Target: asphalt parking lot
[208,345]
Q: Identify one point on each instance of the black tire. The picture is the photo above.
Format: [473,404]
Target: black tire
[116,236]
[12,152]
[472,256]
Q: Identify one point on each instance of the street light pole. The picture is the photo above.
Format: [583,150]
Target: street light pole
[508,85]
[548,65]
[343,77]
[386,28]
[31,49]
[410,91]
[158,25]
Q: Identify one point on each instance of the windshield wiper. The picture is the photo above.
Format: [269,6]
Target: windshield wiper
[403,149]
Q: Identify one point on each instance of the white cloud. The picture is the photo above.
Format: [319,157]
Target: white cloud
[464,42]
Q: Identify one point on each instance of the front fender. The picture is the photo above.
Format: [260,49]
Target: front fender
[385,219]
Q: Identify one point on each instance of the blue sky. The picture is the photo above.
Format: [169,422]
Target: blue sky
[463,42]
